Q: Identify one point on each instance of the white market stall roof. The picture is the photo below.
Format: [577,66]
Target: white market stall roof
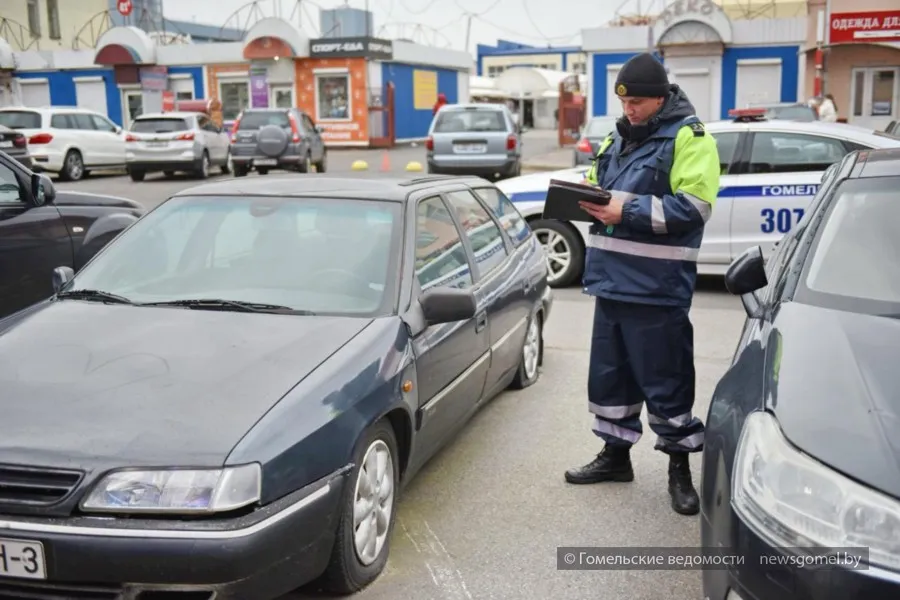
[529,82]
[483,87]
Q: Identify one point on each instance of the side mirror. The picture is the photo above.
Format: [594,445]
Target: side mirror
[42,189]
[745,276]
[61,276]
[447,305]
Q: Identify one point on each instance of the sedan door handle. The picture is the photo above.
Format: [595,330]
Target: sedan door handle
[480,322]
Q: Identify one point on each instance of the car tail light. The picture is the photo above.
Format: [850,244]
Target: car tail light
[584,145]
[429,143]
[40,138]
[511,142]
[294,129]
[19,141]
[185,137]
[130,138]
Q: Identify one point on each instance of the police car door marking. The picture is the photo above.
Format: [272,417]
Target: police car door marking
[774,219]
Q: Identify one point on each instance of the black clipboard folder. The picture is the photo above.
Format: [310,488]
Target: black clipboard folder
[563,198]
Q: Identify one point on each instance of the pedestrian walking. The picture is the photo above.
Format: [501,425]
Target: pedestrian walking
[662,170]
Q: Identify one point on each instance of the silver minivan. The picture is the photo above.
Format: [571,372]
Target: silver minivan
[474,139]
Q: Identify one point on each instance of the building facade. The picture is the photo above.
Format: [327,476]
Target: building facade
[46,24]
[859,56]
[493,60]
[342,83]
[721,63]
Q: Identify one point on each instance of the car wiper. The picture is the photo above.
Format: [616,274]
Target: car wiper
[97,295]
[221,304]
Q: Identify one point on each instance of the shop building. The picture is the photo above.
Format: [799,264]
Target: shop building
[720,62]
[491,61]
[855,54]
[362,91]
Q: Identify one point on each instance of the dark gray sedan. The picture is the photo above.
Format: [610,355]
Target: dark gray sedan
[226,402]
[593,134]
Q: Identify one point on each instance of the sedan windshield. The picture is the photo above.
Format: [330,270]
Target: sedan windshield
[855,263]
[460,121]
[321,256]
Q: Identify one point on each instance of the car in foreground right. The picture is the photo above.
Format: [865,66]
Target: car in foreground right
[200,414]
[800,464]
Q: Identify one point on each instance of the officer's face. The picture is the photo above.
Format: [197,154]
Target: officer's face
[639,110]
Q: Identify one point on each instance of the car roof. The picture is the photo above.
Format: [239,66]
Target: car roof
[175,114]
[884,162]
[837,130]
[473,106]
[389,187]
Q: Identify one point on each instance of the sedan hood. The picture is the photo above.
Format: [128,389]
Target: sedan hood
[72,198]
[835,394]
[89,385]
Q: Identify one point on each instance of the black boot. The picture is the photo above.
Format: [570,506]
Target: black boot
[612,464]
[685,500]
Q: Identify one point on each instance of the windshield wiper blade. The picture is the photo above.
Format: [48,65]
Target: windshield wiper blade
[218,303]
[98,295]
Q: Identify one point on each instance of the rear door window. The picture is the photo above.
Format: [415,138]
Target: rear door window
[20,119]
[257,120]
[161,125]
[460,121]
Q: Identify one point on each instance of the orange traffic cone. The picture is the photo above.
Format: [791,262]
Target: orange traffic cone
[385,161]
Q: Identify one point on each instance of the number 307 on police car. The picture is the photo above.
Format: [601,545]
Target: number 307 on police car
[23,559]
[780,220]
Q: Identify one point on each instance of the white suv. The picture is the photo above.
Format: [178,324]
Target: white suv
[66,140]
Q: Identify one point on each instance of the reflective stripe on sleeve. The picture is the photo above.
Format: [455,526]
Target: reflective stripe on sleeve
[703,207]
[657,216]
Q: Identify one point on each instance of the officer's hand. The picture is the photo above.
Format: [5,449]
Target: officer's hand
[611,214]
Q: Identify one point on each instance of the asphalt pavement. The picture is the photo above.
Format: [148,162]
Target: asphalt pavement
[483,520]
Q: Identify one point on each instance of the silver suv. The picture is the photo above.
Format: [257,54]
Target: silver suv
[474,139]
[276,138]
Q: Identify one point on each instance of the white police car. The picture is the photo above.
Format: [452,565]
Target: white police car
[771,170]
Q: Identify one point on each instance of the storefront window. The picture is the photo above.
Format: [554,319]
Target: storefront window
[235,97]
[333,97]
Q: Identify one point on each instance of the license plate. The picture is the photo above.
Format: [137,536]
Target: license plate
[157,144]
[6,144]
[265,161]
[21,558]
[470,148]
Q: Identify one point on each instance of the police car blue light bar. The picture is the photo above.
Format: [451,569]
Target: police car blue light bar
[747,113]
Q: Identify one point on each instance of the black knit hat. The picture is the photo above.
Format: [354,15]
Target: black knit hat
[642,76]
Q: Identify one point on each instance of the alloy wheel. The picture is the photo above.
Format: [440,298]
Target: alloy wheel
[531,351]
[557,253]
[373,502]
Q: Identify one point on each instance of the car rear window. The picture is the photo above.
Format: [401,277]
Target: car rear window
[20,119]
[161,125]
[600,127]
[256,120]
[456,121]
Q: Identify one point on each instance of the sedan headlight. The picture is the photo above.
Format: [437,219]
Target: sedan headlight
[798,502]
[176,490]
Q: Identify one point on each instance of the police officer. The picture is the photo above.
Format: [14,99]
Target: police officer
[662,170]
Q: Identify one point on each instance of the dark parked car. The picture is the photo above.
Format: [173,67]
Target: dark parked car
[277,138]
[801,443]
[592,136]
[42,228]
[206,408]
[15,144]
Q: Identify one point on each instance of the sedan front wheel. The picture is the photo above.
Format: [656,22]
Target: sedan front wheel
[362,543]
